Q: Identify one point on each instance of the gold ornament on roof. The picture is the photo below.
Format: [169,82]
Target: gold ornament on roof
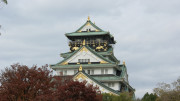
[88,18]
[97,30]
[88,24]
[64,63]
[124,62]
[84,49]
[84,42]
[102,62]
[100,47]
[80,68]
[75,48]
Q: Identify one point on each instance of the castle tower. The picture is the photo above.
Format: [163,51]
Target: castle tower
[91,58]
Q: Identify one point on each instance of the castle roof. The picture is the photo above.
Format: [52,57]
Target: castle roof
[90,29]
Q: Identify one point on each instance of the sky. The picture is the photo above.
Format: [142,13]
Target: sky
[147,33]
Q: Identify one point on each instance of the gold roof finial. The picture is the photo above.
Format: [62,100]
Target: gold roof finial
[88,18]
[80,68]
[124,62]
[84,42]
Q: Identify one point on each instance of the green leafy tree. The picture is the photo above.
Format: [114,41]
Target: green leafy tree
[108,97]
[4,1]
[168,92]
[125,96]
[137,99]
[149,97]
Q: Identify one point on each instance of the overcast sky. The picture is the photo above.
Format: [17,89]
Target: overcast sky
[147,33]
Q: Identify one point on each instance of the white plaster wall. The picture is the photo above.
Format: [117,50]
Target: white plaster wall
[116,85]
[84,55]
[88,27]
[110,71]
[57,72]
[97,71]
[70,71]
[114,71]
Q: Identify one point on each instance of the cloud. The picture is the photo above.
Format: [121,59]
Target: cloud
[147,34]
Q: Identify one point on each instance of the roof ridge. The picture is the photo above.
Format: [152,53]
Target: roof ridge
[89,21]
[108,88]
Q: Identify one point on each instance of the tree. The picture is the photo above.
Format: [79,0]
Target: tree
[109,97]
[4,1]
[168,92]
[125,96]
[77,91]
[20,83]
[149,97]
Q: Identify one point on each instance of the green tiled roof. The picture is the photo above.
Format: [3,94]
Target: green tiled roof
[108,78]
[99,83]
[98,55]
[112,78]
[108,52]
[75,66]
[89,21]
[123,68]
[99,32]
[64,55]
[86,33]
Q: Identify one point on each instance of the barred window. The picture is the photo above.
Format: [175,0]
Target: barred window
[83,60]
[111,84]
[75,71]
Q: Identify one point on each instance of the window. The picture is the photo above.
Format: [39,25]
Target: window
[111,84]
[83,60]
[61,73]
[65,72]
[88,71]
[75,71]
[92,72]
[79,60]
[104,71]
[87,60]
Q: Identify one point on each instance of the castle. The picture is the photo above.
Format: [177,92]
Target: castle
[91,58]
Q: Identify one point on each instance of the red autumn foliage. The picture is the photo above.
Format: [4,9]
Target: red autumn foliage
[20,83]
[77,91]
